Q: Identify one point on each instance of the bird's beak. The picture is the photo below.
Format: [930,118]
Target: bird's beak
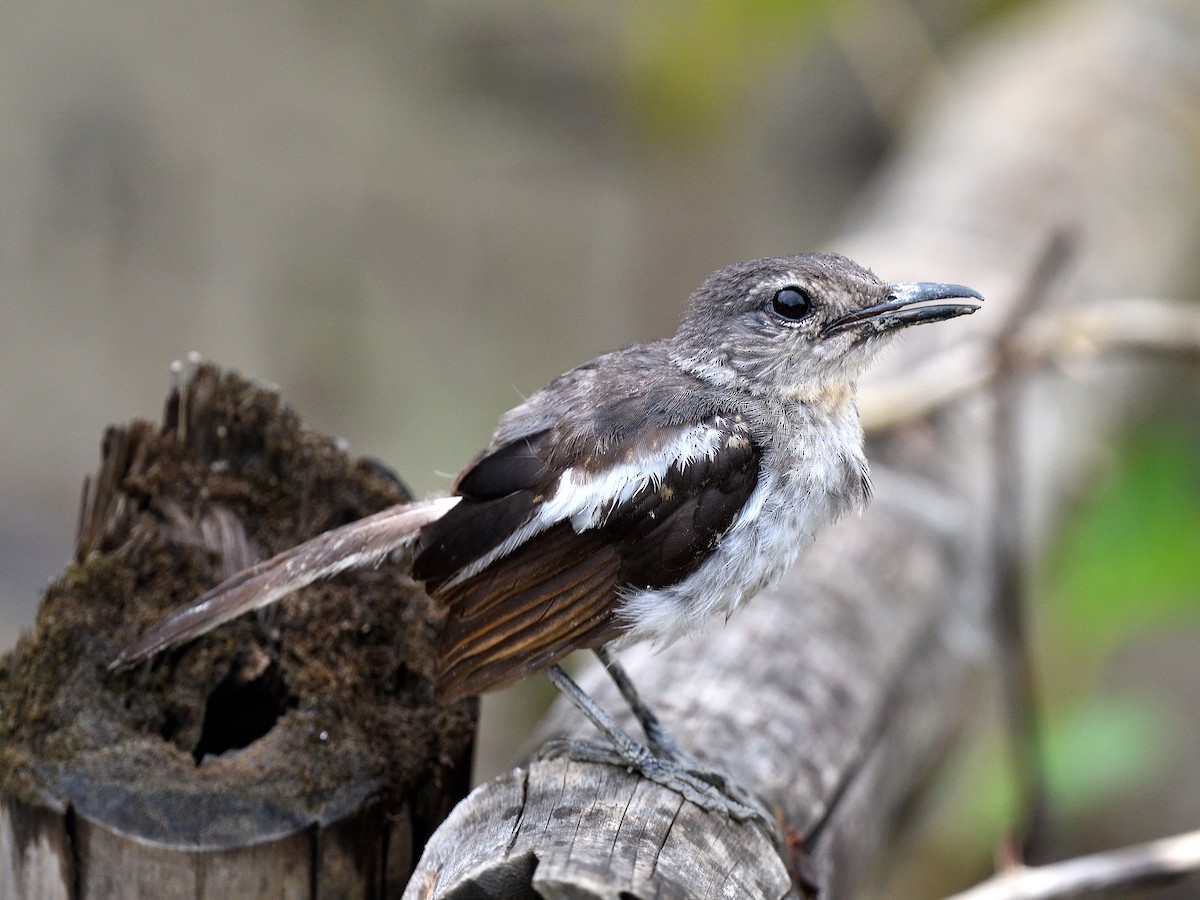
[900,309]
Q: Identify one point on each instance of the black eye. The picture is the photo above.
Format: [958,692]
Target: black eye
[792,303]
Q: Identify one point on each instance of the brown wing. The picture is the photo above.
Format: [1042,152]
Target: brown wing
[554,594]
[558,590]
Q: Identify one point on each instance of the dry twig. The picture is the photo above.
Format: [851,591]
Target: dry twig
[1154,327]
[1153,862]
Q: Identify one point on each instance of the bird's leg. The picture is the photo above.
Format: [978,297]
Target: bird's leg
[622,742]
[660,739]
[666,748]
[624,750]
[710,790]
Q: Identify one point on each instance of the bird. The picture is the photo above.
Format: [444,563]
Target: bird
[635,497]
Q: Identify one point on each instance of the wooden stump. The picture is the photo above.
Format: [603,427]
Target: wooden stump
[295,753]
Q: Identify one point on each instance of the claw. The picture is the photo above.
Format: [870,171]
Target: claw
[708,788]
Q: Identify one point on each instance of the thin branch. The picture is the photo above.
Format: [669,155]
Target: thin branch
[1010,593]
[1153,862]
[1155,327]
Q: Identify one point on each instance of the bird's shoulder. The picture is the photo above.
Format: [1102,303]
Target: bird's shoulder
[627,403]
[602,450]
[627,406]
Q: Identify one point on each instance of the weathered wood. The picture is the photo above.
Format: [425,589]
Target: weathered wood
[629,834]
[835,696]
[113,866]
[298,753]
[35,852]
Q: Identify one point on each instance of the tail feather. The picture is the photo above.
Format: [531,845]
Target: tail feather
[359,544]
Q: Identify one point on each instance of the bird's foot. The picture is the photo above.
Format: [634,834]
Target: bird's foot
[709,788]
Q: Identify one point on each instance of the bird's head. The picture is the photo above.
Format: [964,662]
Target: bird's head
[797,323]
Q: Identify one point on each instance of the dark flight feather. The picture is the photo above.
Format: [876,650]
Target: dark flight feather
[559,590]
[554,600]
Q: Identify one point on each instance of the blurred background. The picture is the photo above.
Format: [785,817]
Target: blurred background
[408,216]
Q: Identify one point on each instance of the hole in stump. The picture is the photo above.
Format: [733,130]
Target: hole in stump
[243,707]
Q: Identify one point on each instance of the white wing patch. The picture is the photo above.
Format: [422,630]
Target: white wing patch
[587,498]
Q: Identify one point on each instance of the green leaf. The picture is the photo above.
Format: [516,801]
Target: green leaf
[1105,749]
[1094,755]
[1131,557]
[690,64]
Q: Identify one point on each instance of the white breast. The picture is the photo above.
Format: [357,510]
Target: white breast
[812,474]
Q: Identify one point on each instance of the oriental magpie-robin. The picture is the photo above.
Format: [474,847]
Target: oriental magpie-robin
[635,496]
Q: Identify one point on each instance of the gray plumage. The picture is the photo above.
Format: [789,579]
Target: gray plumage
[642,493]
